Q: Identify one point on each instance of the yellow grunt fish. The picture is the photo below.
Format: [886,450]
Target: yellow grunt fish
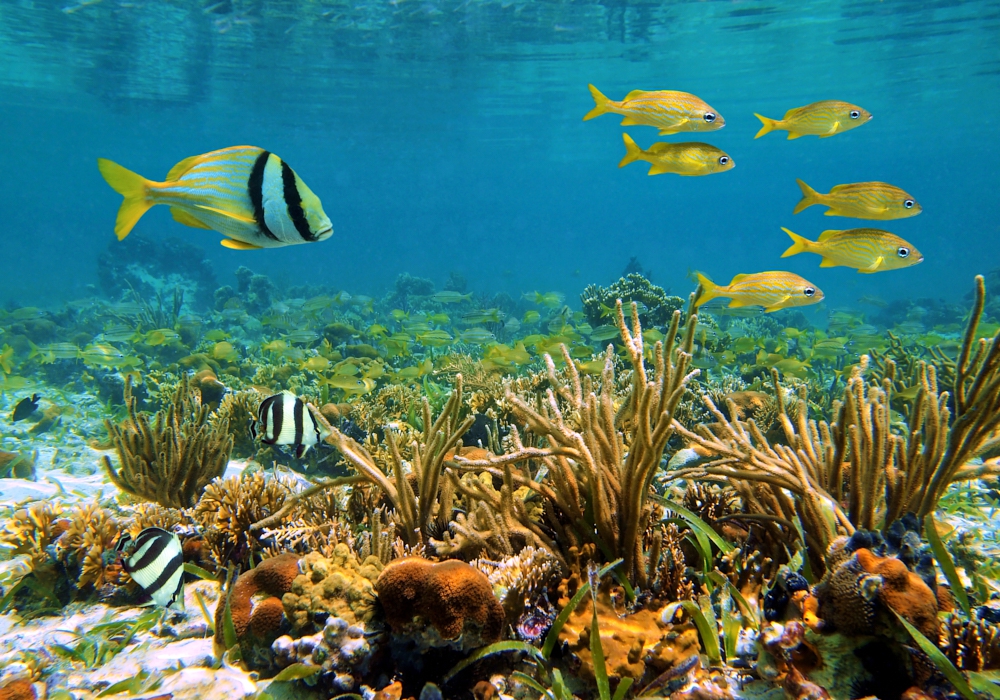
[867,250]
[681,158]
[245,193]
[668,110]
[772,290]
[861,200]
[821,119]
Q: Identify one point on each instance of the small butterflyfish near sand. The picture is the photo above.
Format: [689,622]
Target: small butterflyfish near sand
[689,159]
[861,200]
[284,420]
[823,119]
[249,195]
[867,250]
[155,560]
[670,111]
[773,290]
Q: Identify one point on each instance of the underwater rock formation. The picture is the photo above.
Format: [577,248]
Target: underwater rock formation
[454,598]
[171,459]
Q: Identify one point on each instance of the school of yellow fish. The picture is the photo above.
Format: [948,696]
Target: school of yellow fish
[866,250]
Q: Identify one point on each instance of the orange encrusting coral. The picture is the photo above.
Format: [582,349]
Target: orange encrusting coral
[255,601]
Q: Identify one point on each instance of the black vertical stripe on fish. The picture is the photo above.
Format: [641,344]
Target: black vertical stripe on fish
[255,187]
[275,420]
[293,200]
[168,571]
[157,545]
[297,412]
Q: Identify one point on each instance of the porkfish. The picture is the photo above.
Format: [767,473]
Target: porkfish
[690,159]
[822,119]
[249,195]
[772,290]
[670,111]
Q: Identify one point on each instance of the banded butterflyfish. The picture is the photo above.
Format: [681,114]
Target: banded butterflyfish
[284,420]
[249,195]
[155,560]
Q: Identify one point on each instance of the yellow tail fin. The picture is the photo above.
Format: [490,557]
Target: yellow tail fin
[799,244]
[809,197]
[133,187]
[708,290]
[632,151]
[600,104]
[769,125]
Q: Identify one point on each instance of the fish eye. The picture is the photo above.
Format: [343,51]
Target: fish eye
[855,114]
[903,252]
[809,291]
[723,160]
[909,203]
[710,117]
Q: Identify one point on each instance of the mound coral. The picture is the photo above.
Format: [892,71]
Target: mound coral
[340,586]
[171,459]
[256,609]
[456,599]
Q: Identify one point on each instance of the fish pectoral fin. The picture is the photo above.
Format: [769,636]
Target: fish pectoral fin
[186,218]
[233,244]
[778,305]
[794,135]
[231,215]
[874,267]
[831,132]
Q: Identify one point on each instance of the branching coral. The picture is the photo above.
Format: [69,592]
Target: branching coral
[171,459]
[91,535]
[599,457]
[31,530]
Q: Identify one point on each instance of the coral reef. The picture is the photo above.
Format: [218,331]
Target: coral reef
[339,586]
[656,309]
[453,597]
[171,459]
[340,650]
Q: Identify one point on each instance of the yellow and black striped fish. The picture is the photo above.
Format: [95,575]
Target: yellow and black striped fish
[245,193]
[670,111]
[867,250]
[861,200]
[822,119]
[155,560]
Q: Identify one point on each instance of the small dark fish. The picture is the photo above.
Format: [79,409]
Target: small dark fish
[284,420]
[24,408]
[155,560]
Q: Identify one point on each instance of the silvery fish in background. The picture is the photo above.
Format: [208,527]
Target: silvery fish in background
[245,193]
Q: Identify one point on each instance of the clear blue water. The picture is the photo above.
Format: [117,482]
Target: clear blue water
[447,135]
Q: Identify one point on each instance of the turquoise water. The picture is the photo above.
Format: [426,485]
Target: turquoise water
[447,136]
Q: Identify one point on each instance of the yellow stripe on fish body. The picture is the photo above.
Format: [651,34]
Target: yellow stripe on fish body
[245,193]
[773,290]
[668,110]
[822,119]
[689,159]
[861,200]
[866,250]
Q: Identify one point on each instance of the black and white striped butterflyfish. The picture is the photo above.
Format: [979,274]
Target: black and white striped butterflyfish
[285,420]
[249,195]
[155,560]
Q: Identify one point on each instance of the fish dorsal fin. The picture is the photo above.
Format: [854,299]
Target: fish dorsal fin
[739,277]
[634,94]
[791,113]
[826,235]
[178,170]
[231,215]
[233,244]
[186,218]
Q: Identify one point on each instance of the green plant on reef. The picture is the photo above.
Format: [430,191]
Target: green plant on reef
[170,459]
[99,644]
[858,459]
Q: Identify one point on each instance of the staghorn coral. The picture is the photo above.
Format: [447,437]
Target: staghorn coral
[31,530]
[171,459]
[340,586]
[230,506]
[972,645]
[255,607]
[453,597]
[658,305]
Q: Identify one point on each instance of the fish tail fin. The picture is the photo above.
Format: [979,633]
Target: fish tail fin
[600,104]
[809,197]
[769,125]
[632,151]
[708,290]
[799,244]
[133,187]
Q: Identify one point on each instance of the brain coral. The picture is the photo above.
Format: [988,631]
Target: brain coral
[456,599]
[340,586]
